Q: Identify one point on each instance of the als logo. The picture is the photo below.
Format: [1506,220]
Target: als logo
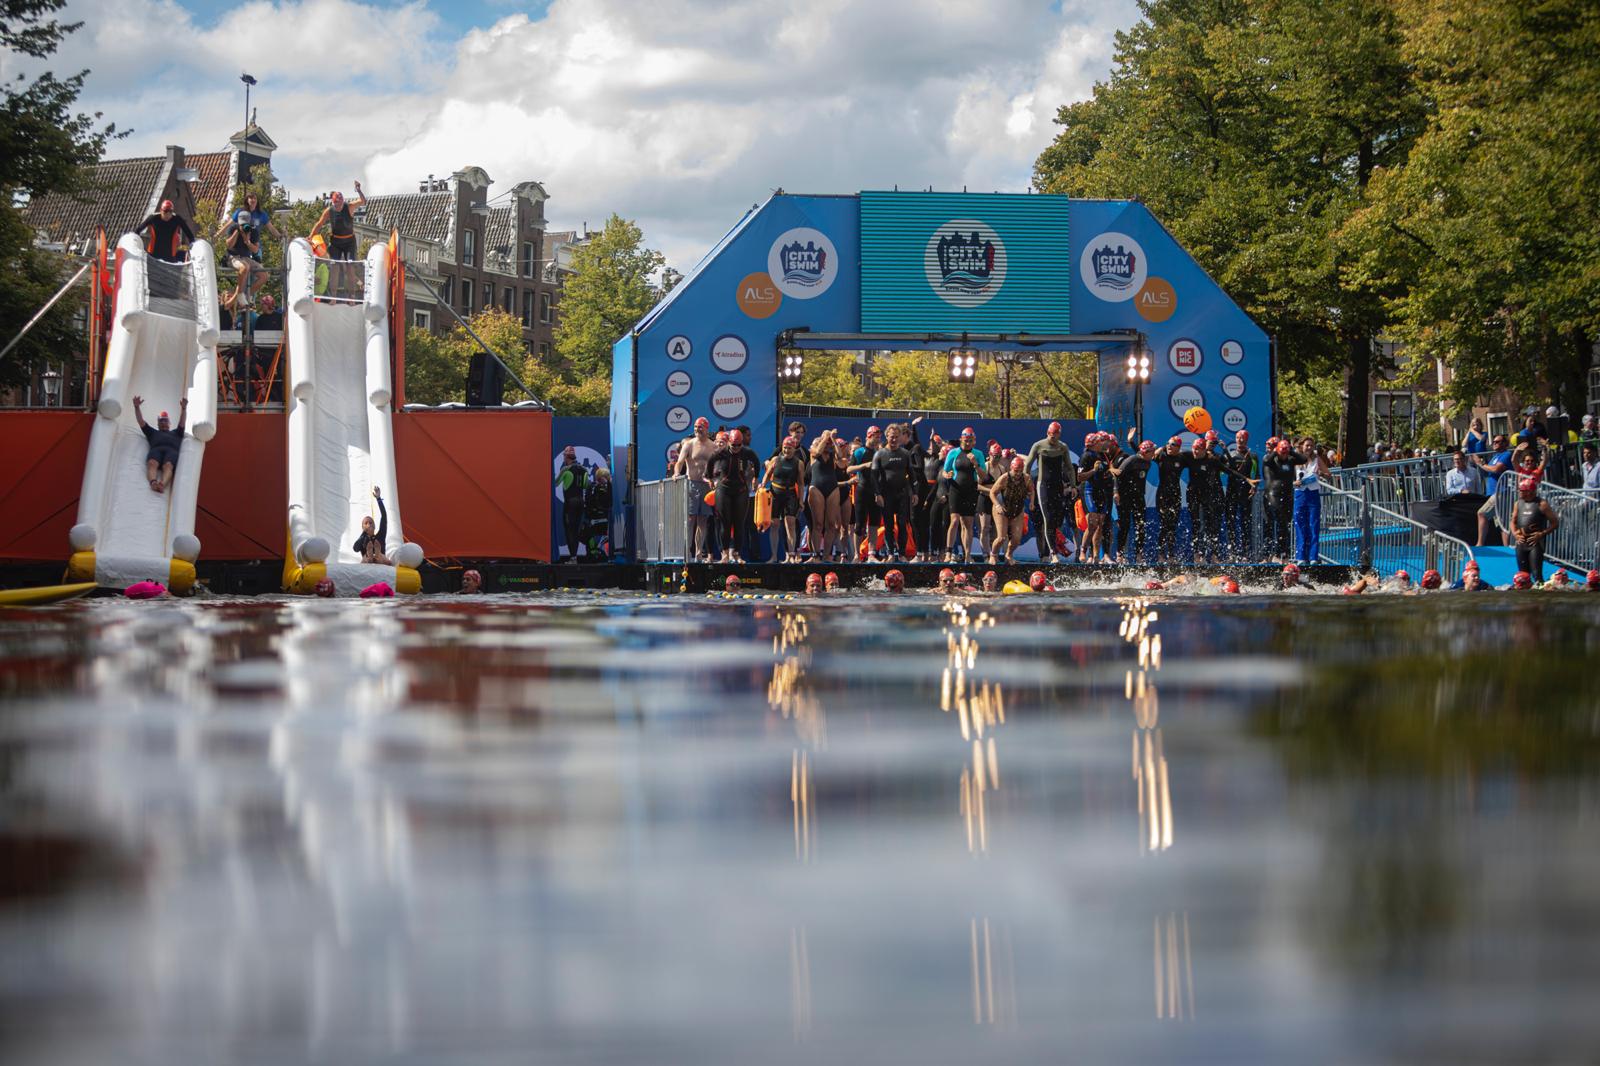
[965,262]
[803,263]
[1113,267]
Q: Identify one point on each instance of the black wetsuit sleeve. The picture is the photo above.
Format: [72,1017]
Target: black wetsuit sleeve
[187,232]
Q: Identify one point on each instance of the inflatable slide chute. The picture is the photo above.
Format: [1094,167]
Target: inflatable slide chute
[164,349]
[341,438]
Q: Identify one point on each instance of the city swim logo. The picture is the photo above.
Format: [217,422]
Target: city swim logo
[1114,268]
[965,262]
[803,265]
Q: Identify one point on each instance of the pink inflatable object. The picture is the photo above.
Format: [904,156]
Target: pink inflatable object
[378,591]
[145,590]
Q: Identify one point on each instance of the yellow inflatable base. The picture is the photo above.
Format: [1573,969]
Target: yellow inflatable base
[302,580]
[180,572]
[44,594]
[1016,588]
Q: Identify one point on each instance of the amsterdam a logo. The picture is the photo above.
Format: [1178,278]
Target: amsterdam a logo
[1113,267]
[803,263]
[965,262]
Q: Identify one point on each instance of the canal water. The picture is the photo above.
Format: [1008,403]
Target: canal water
[605,828]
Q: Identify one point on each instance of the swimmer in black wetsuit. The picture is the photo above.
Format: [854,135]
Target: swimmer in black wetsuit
[1205,501]
[891,470]
[1533,521]
[868,515]
[729,474]
[1169,464]
[166,234]
[1094,474]
[1278,464]
[370,544]
[823,497]
[338,217]
[961,470]
[1130,474]
[1055,483]
[165,441]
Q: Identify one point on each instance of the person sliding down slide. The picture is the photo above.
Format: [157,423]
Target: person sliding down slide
[164,444]
[370,545]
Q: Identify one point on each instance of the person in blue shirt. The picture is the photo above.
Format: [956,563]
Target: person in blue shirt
[1498,463]
[1476,440]
[961,468]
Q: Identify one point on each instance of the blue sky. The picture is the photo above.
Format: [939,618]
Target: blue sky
[678,114]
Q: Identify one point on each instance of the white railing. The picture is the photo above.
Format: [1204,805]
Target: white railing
[661,520]
[1358,531]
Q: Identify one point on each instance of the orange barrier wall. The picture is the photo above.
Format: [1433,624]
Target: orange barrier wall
[475,484]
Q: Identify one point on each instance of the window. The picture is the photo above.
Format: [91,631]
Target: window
[544,307]
[466,296]
[488,295]
[469,247]
[446,290]
[527,259]
[421,319]
[508,300]
[544,350]
[1499,425]
[527,308]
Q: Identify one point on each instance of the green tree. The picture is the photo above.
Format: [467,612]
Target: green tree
[45,147]
[436,367]
[1253,129]
[1310,405]
[1489,237]
[610,290]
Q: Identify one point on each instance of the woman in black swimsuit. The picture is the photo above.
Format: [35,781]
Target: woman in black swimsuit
[783,476]
[824,497]
[1011,492]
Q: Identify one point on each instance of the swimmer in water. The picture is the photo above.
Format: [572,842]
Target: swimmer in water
[1401,582]
[1039,583]
[895,581]
[813,584]
[1222,583]
[830,581]
[947,580]
[991,581]
[471,582]
[1291,578]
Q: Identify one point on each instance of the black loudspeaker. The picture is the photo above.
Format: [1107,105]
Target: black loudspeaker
[486,381]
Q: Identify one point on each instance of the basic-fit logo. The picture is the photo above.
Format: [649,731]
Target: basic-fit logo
[1113,267]
[965,262]
[803,263]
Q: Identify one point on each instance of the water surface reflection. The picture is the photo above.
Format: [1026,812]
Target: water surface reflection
[700,830]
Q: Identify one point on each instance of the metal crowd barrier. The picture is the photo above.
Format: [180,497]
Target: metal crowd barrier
[1358,531]
[1398,484]
[661,520]
[1573,544]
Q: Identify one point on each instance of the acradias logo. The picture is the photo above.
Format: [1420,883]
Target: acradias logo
[965,262]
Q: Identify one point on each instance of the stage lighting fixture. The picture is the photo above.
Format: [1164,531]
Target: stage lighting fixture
[790,364]
[963,365]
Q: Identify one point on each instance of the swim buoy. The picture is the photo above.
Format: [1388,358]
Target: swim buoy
[1080,516]
[1197,420]
[763,514]
[1015,587]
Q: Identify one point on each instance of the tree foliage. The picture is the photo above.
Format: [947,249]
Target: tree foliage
[828,379]
[1253,128]
[1425,170]
[45,147]
[610,290]
[436,367]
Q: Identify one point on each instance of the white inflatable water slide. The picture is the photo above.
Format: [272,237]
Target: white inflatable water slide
[163,349]
[341,437]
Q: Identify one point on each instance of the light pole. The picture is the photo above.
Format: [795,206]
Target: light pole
[1138,377]
[51,380]
[1046,407]
[248,81]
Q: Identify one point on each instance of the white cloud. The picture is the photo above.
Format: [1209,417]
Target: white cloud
[678,113]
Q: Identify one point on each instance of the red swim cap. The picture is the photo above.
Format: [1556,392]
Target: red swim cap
[732,584]
[813,584]
[831,580]
[946,574]
[1523,580]
[1401,575]
[894,580]
[702,421]
[1018,465]
[1593,580]
[1527,486]
[1147,446]
[1152,586]
[1054,427]
[1230,586]
[1559,578]
[1037,581]
[1432,579]
[873,431]
[991,580]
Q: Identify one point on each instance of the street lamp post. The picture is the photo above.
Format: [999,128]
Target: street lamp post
[51,380]
[1138,377]
[248,81]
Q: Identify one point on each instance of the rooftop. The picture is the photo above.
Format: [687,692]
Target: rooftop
[116,195]
[423,216]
